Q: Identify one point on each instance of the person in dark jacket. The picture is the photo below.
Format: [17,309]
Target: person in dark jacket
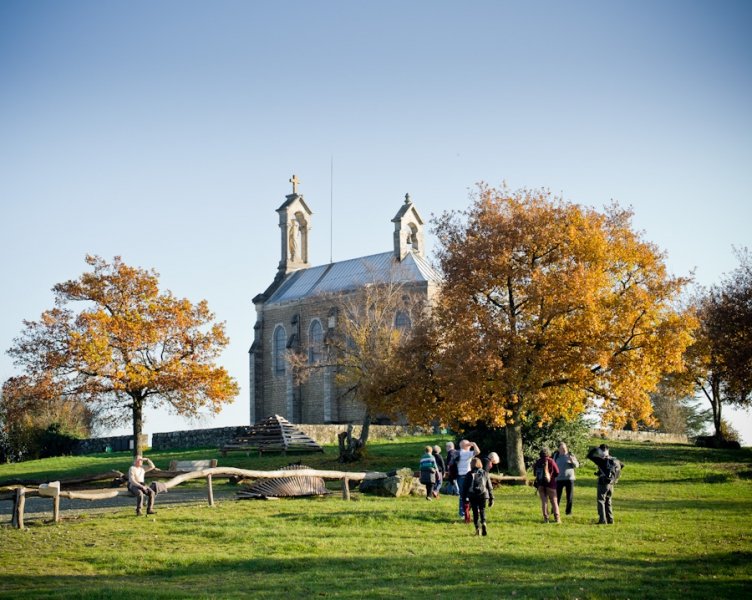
[490,461]
[601,457]
[545,466]
[450,474]
[440,468]
[428,471]
[478,497]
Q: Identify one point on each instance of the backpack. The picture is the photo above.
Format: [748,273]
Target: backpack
[478,484]
[611,471]
[542,476]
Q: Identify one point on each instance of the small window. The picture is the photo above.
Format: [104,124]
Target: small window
[315,342]
[402,321]
[278,349]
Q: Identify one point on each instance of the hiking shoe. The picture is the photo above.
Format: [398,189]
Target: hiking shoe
[477,531]
[151,512]
[545,519]
[485,531]
[138,512]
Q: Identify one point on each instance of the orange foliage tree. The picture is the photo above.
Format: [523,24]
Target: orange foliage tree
[129,345]
[546,307]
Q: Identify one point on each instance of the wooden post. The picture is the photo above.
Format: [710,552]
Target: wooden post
[56,509]
[209,489]
[18,508]
[345,488]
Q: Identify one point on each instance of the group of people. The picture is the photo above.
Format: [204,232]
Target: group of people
[466,474]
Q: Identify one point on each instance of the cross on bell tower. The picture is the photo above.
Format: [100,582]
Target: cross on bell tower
[295,181]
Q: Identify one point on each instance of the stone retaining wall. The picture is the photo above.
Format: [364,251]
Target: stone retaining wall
[322,434]
[117,443]
[641,436]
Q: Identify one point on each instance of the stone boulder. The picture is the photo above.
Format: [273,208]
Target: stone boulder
[396,483]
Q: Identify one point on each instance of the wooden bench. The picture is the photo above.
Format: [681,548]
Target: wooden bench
[186,466]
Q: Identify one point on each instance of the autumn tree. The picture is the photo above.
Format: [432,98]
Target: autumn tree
[719,362]
[128,346]
[546,308]
[31,416]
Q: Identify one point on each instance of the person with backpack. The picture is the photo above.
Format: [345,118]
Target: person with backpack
[428,471]
[567,463]
[608,473]
[546,471]
[477,490]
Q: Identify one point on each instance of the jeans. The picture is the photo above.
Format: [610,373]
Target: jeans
[561,485]
[479,511]
[460,485]
[139,490]
[605,512]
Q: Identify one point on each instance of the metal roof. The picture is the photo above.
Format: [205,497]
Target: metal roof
[351,274]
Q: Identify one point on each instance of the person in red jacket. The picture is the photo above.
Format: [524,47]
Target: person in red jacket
[546,471]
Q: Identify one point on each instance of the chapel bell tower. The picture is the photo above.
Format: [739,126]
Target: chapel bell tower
[294,225]
[408,231]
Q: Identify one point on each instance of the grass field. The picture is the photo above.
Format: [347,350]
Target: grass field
[683,530]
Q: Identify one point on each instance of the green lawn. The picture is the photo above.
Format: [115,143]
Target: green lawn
[683,530]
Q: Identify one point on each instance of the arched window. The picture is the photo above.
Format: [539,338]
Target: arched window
[278,349]
[402,321]
[315,342]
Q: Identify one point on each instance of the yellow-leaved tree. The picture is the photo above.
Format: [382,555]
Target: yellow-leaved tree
[546,309]
[129,345]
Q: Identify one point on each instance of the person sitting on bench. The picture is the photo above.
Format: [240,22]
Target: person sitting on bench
[136,476]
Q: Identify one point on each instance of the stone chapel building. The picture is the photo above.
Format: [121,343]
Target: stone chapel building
[298,309]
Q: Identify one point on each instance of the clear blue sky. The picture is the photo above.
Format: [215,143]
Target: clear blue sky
[166,132]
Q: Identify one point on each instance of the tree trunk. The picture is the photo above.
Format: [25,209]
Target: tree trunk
[138,423]
[515,459]
[715,390]
[352,449]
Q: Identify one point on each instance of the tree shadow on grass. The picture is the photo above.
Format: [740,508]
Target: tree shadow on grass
[482,573]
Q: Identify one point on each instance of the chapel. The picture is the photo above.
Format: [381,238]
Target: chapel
[299,310]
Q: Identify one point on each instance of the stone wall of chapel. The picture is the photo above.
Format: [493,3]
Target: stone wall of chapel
[310,396]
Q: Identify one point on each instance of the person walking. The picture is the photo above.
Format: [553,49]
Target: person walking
[567,463]
[476,491]
[450,474]
[440,468]
[136,478]
[468,450]
[546,471]
[428,471]
[608,473]
[490,461]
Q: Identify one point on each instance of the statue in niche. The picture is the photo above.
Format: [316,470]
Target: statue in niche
[292,238]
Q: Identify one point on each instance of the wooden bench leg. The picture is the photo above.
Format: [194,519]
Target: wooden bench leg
[345,488]
[56,509]
[209,490]
[19,503]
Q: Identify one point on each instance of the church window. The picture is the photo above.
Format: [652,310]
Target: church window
[278,349]
[315,342]
[402,321]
